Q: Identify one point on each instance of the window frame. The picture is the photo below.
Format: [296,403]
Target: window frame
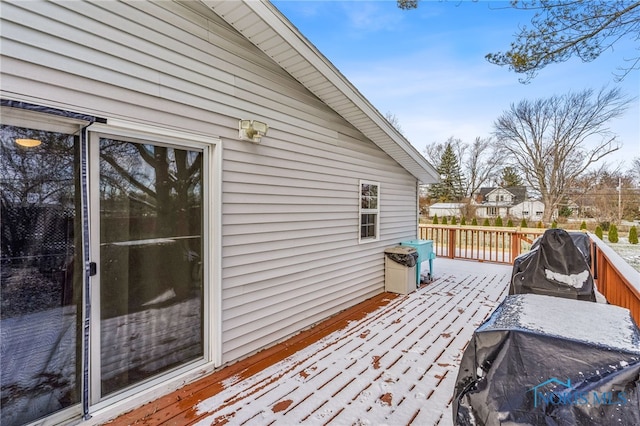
[368,211]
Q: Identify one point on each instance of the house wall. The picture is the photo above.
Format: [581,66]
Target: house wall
[444,211]
[500,195]
[289,210]
[528,210]
[484,211]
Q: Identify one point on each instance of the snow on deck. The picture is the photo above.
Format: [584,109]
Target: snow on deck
[397,365]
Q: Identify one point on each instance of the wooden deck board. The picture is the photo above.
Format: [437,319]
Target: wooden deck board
[392,360]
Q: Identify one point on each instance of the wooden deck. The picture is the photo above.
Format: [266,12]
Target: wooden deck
[391,360]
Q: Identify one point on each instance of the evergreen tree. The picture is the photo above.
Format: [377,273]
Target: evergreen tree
[599,232]
[633,235]
[554,224]
[510,223]
[613,234]
[463,221]
[510,177]
[523,223]
[583,225]
[486,222]
[444,220]
[474,222]
[450,187]
[435,219]
[453,220]
[498,221]
[540,224]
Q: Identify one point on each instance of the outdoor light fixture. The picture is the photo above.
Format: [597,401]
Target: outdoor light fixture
[252,130]
[28,143]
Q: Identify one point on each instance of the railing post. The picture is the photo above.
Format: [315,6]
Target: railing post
[515,245]
[451,251]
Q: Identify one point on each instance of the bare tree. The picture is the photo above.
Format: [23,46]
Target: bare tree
[394,121]
[478,160]
[480,164]
[554,140]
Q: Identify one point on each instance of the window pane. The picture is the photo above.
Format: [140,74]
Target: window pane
[368,225]
[40,280]
[151,252]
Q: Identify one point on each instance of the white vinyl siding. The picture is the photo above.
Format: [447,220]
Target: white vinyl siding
[289,213]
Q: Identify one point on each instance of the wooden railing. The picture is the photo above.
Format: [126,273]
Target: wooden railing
[482,243]
[615,278]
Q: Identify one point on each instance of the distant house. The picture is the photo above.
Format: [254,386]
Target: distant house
[528,209]
[492,202]
[446,209]
[223,186]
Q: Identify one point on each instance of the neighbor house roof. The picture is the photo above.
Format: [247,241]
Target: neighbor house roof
[262,24]
[519,192]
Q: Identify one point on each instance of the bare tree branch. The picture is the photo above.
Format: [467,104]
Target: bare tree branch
[555,140]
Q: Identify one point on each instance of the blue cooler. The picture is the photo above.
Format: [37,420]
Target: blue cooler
[425,252]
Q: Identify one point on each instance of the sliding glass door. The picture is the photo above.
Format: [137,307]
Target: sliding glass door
[122,248]
[150,269]
[40,271]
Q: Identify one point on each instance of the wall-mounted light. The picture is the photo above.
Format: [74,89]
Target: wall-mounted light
[252,130]
[29,143]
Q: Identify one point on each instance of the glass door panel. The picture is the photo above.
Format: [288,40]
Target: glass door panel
[40,274]
[151,246]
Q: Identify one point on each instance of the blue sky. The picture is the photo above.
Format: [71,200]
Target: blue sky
[427,66]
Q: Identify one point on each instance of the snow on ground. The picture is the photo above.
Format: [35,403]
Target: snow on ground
[629,252]
[397,366]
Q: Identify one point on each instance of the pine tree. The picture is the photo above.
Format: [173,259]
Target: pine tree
[633,235]
[554,224]
[450,187]
[444,220]
[599,232]
[613,234]
[453,220]
[498,221]
[486,222]
[474,222]
[583,225]
[463,221]
[510,177]
[435,219]
[523,223]
[510,223]
[540,224]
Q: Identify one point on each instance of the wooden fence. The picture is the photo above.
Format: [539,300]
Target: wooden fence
[615,278]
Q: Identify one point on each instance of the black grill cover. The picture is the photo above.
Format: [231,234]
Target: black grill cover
[557,265]
[541,360]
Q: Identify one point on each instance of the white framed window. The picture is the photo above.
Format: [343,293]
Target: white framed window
[369,211]
[492,211]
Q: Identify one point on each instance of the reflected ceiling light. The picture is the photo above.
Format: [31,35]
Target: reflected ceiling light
[252,130]
[29,143]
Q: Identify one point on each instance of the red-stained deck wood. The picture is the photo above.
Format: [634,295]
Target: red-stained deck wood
[391,359]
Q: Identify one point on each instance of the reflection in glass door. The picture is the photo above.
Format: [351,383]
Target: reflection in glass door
[151,248]
[41,276]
